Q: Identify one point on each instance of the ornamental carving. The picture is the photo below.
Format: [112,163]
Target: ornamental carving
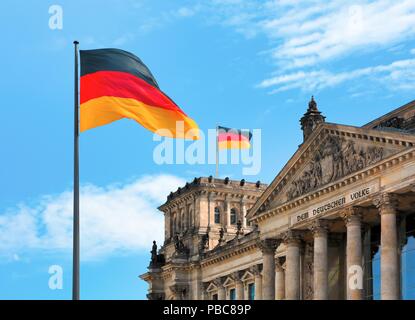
[268,245]
[386,202]
[180,248]
[204,243]
[335,158]
[395,122]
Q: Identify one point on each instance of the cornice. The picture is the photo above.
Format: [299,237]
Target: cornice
[234,194]
[232,250]
[169,268]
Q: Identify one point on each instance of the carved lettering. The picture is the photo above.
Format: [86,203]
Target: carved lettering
[360,194]
[335,203]
[302,216]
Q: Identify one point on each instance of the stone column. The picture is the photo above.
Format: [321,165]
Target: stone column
[268,247]
[354,284]
[389,263]
[279,280]
[182,219]
[228,212]
[367,263]
[256,270]
[292,240]
[209,210]
[194,211]
[239,287]
[203,208]
[243,213]
[167,224]
[221,289]
[320,260]
[205,294]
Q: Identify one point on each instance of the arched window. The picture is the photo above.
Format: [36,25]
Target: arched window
[217,215]
[233,216]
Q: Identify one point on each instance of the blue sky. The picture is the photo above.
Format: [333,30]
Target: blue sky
[244,64]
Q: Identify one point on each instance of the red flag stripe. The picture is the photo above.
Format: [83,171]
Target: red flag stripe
[123,85]
[226,136]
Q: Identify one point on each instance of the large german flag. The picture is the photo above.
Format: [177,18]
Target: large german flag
[116,84]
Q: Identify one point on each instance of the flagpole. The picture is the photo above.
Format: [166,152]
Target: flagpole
[217,154]
[75,268]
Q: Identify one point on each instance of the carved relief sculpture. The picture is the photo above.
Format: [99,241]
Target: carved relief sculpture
[335,158]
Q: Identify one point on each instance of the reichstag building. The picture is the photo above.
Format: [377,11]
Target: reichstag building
[337,222]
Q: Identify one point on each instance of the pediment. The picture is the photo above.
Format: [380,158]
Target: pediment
[211,287]
[228,282]
[247,276]
[332,152]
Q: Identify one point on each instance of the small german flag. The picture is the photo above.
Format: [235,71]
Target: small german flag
[116,84]
[229,138]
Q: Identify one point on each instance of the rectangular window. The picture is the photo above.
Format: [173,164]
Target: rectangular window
[214,296]
[233,216]
[232,295]
[251,291]
[217,215]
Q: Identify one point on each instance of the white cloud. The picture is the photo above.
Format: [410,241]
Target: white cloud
[186,12]
[312,31]
[305,35]
[115,219]
[340,29]
[397,75]
[311,37]
[123,39]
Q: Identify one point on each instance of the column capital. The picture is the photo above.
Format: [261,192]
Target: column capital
[386,203]
[320,228]
[268,245]
[243,199]
[179,290]
[352,215]
[218,282]
[292,237]
[237,276]
[256,269]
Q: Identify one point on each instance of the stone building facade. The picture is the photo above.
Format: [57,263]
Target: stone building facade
[337,222]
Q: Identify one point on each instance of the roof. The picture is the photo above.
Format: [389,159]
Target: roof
[391,114]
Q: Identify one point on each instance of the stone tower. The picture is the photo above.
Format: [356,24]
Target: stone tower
[311,119]
[200,219]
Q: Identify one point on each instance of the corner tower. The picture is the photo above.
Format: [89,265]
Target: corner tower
[311,119]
